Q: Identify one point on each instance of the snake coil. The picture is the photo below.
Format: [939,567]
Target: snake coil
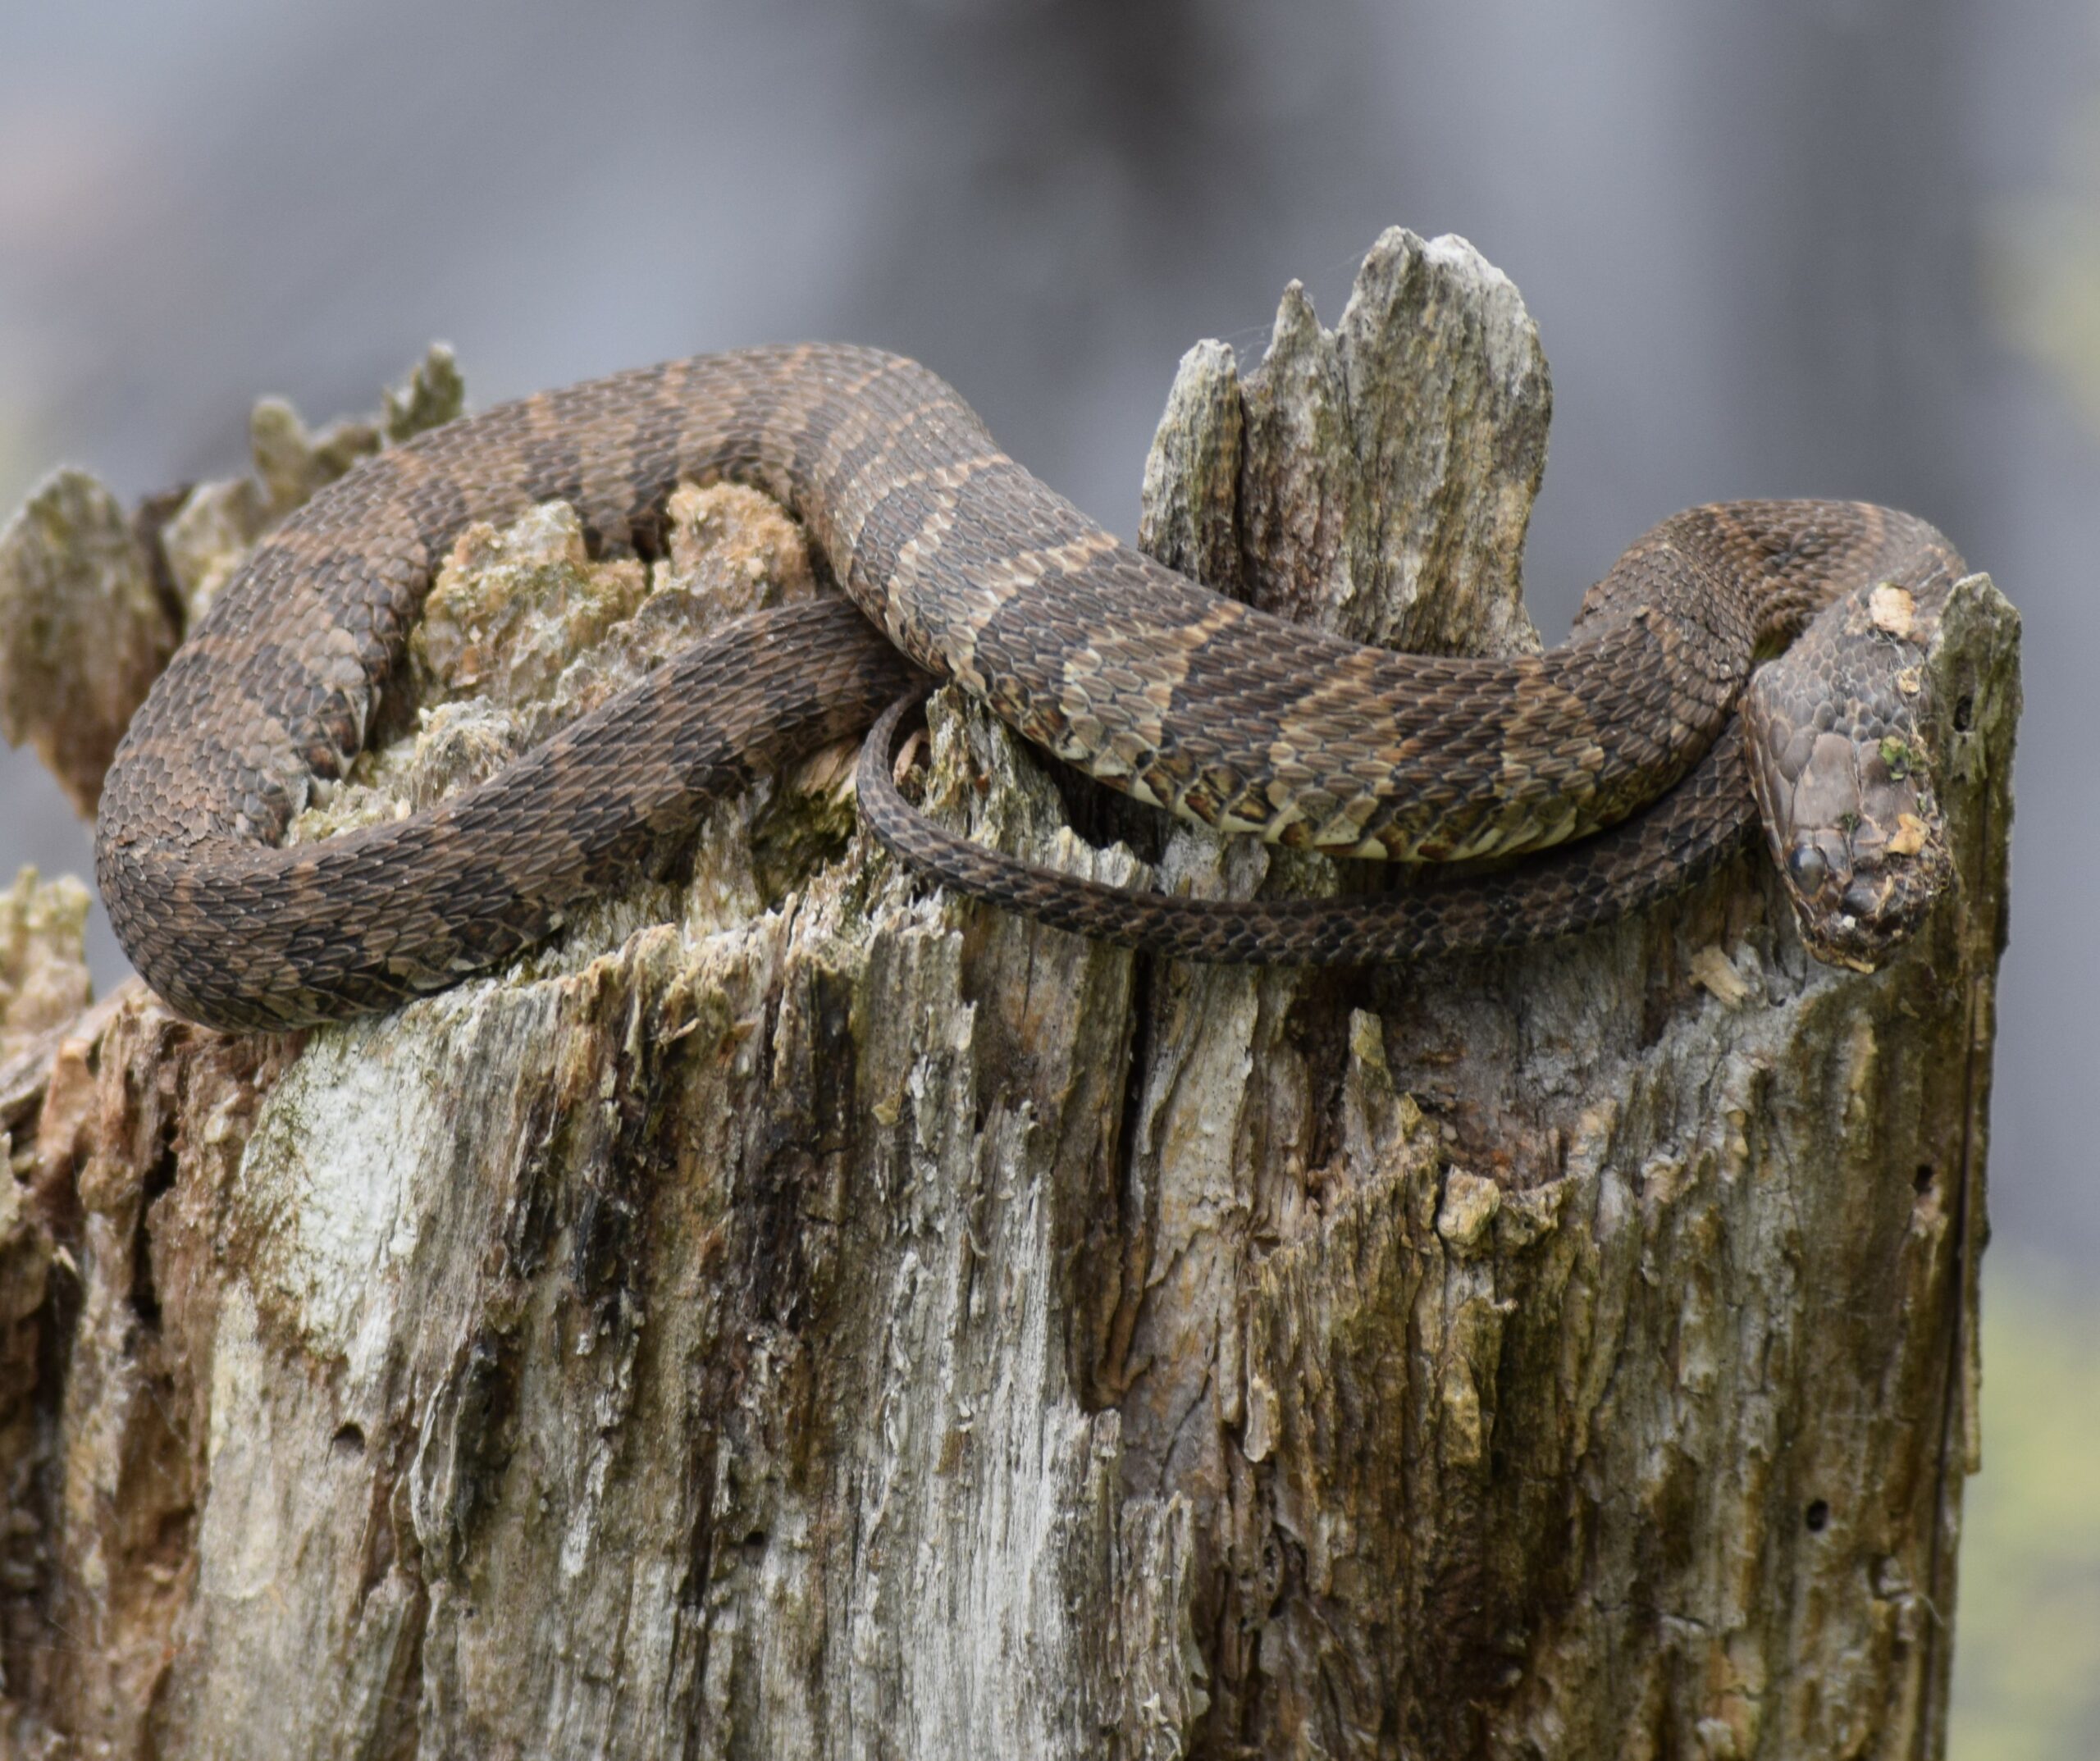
[960,565]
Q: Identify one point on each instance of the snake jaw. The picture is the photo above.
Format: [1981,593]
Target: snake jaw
[1878,914]
[1877,910]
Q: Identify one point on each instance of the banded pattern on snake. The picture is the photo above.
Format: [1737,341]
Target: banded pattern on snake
[976,572]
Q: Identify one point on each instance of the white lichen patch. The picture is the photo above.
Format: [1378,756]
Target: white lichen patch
[327,1181]
[734,547]
[512,608]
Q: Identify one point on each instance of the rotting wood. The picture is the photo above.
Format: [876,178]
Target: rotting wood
[795,1315]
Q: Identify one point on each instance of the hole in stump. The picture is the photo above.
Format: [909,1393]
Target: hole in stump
[1817,1516]
[348,1440]
[1964,713]
[1922,1181]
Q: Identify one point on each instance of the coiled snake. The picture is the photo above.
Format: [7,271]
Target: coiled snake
[978,573]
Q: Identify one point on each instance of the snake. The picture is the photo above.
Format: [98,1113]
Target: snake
[1743,664]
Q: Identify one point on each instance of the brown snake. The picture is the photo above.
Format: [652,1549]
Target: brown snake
[977,572]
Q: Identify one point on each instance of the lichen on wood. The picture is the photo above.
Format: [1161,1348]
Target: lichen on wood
[799,1312]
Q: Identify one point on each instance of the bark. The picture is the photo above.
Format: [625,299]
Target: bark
[799,1315]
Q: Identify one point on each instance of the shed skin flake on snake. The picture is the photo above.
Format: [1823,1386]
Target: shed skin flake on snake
[977,574]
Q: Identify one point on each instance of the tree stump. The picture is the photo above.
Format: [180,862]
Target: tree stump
[799,1314]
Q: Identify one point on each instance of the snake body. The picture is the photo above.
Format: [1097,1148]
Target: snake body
[961,565]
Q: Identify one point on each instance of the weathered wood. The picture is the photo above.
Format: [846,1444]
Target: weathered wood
[797,1315]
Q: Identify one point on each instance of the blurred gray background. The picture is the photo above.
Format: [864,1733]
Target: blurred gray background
[1846,248]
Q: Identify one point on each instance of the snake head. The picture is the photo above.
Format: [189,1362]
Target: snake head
[1849,815]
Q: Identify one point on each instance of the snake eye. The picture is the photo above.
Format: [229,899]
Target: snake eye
[1808,867]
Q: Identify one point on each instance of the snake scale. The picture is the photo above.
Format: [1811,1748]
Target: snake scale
[957,564]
